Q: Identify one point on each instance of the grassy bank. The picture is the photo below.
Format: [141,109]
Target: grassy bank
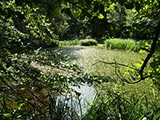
[116,43]
[83,42]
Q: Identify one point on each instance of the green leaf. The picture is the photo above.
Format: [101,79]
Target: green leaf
[112,6]
[100,16]
[134,10]
[19,116]
[156,2]
[138,65]
[8,115]
[22,88]
[142,51]
[20,106]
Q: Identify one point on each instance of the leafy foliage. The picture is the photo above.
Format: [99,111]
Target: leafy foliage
[26,88]
[111,104]
[155,71]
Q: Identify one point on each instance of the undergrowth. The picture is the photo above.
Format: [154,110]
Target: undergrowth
[111,104]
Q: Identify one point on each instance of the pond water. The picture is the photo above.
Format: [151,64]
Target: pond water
[79,98]
[87,94]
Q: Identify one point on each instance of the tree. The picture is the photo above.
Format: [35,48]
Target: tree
[26,90]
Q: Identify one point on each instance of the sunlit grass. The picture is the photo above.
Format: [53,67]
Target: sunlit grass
[123,44]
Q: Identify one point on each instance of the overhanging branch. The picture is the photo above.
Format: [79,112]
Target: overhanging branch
[115,63]
[150,54]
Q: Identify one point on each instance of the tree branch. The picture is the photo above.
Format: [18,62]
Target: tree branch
[115,63]
[150,54]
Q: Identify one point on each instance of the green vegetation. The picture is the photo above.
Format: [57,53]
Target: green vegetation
[124,44]
[116,43]
[115,104]
[83,42]
[33,76]
[89,42]
[116,99]
[69,42]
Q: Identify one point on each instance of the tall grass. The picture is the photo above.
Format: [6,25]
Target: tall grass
[124,44]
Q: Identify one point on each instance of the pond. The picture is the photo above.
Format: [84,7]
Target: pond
[80,97]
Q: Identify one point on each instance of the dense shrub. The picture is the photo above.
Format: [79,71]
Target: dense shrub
[88,42]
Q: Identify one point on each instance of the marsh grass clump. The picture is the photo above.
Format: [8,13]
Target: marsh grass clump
[89,42]
[124,44]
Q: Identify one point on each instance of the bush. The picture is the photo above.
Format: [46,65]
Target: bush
[88,42]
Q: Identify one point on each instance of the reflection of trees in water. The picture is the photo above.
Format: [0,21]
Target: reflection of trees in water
[74,103]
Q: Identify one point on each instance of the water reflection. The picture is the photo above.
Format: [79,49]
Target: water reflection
[78,99]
